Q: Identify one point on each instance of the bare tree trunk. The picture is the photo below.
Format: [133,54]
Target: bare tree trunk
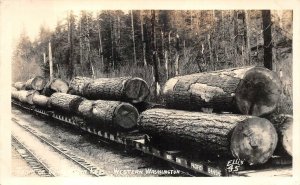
[112,42]
[133,40]
[58,71]
[119,34]
[235,33]
[80,44]
[211,61]
[44,56]
[266,19]
[50,62]
[88,44]
[70,40]
[248,32]
[143,39]
[154,54]
[100,44]
[177,55]
[169,46]
[165,53]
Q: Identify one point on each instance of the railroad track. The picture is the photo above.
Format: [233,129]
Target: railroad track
[92,170]
[37,165]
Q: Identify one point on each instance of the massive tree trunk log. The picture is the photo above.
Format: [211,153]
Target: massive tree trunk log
[56,85]
[109,113]
[25,96]
[248,138]
[19,85]
[78,83]
[122,89]
[65,102]
[36,83]
[283,124]
[246,90]
[41,100]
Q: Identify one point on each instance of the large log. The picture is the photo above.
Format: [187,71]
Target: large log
[19,85]
[65,102]
[26,96]
[77,85]
[15,95]
[127,89]
[246,90]
[109,113]
[55,85]
[283,124]
[249,138]
[36,83]
[41,100]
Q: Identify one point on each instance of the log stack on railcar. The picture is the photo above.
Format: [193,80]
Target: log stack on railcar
[248,92]
[249,130]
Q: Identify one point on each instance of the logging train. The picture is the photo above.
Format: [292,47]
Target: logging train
[242,125]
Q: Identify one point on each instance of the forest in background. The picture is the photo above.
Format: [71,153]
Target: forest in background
[156,45]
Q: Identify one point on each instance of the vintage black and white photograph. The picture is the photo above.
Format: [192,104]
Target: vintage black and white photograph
[152,93]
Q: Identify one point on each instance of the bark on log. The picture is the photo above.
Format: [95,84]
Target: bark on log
[26,96]
[77,85]
[127,89]
[283,124]
[56,85]
[37,83]
[249,138]
[15,95]
[19,85]
[65,102]
[41,100]
[109,113]
[246,90]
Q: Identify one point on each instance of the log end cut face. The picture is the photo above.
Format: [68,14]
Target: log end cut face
[136,90]
[259,92]
[286,135]
[38,83]
[254,140]
[125,116]
[59,85]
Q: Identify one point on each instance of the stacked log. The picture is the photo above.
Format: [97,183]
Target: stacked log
[24,96]
[55,85]
[15,95]
[66,103]
[41,100]
[37,83]
[283,124]
[126,89]
[248,138]
[109,113]
[19,85]
[246,90]
[78,84]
